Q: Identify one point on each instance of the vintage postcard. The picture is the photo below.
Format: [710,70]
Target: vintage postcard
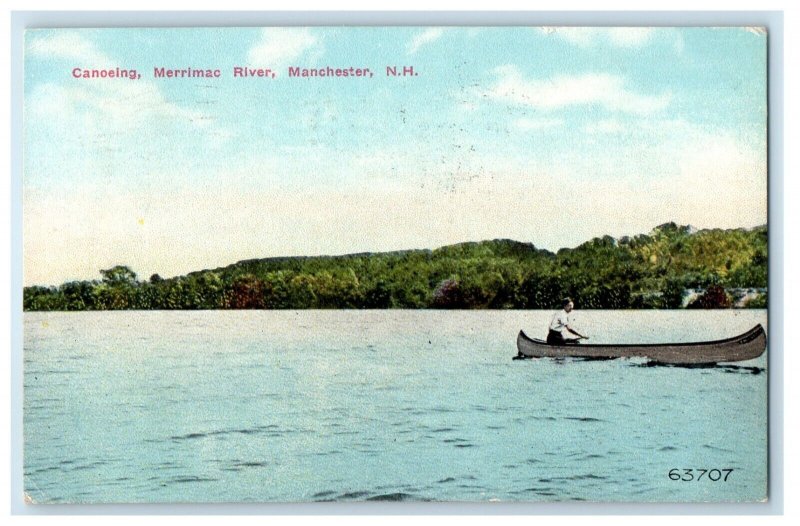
[471,264]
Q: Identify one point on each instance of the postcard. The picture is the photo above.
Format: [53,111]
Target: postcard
[417,264]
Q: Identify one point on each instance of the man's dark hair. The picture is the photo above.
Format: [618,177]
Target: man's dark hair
[565,302]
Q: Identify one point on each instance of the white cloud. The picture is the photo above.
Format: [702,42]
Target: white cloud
[97,104]
[629,36]
[528,124]
[425,37]
[557,92]
[69,46]
[280,46]
[624,37]
[103,107]
[604,126]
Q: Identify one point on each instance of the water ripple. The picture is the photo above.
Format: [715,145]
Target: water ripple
[322,494]
[352,495]
[193,478]
[381,425]
[393,497]
[717,448]
[270,430]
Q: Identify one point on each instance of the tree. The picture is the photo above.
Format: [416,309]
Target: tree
[78,295]
[119,275]
[714,297]
[673,293]
[277,295]
[646,271]
[542,291]
[378,296]
[448,295]
[301,292]
[42,299]
[248,293]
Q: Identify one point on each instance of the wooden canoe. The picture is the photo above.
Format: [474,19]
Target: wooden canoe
[739,348]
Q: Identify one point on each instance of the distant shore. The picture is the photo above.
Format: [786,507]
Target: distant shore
[671,267]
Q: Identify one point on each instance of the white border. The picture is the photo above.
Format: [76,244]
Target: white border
[780,189]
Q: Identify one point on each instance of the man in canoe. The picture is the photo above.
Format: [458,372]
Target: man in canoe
[560,326]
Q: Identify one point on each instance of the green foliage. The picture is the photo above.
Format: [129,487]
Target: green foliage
[672,297]
[758,302]
[119,275]
[645,271]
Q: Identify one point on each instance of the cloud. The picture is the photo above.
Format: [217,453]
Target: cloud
[97,104]
[114,133]
[602,89]
[528,124]
[629,36]
[280,46]
[622,37]
[101,107]
[424,38]
[605,126]
[67,46]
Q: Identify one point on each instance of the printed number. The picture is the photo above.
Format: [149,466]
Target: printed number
[688,475]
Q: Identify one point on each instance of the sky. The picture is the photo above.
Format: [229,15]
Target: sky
[545,135]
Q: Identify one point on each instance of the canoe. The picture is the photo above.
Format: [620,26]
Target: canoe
[746,346]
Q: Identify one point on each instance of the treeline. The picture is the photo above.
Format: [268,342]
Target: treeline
[645,271]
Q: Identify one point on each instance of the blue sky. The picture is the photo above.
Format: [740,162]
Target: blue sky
[544,135]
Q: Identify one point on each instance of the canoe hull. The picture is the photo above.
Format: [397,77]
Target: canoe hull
[746,346]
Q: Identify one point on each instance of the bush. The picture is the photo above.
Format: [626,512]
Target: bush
[758,302]
[714,297]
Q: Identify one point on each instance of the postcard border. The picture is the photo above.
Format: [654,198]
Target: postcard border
[772,20]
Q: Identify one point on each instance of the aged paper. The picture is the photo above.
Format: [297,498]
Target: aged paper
[395,263]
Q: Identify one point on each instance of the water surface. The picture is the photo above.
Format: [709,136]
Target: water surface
[289,406]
